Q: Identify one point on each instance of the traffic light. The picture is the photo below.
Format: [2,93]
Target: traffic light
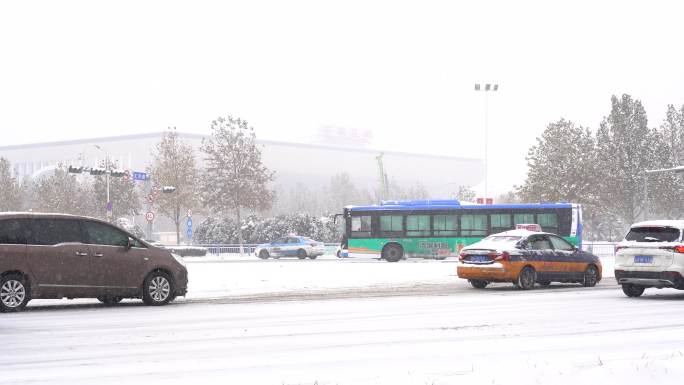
[168,189]
[118,173]
[97,171]
[75,170]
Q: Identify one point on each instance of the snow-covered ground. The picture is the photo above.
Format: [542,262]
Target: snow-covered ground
[495,336]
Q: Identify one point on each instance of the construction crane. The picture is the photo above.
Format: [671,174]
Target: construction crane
[382,177]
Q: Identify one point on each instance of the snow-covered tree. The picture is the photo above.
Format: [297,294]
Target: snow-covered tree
[666,190]
[10,190]
[62,193]
[174,165]
[625,147]
[341,192]
[465,194]
[123,194]
[561,166]
[234,178]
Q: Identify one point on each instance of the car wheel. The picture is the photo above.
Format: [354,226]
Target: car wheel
[632,290]
[544,283]
[158,289]
[527,278]
[109,299]
[263,254]
[14,293]
[313,256]
[339,253]
[301,254]
[478,284]
[392,253]
[590,276]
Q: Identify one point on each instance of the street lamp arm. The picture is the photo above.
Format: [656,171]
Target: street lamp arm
[677,169]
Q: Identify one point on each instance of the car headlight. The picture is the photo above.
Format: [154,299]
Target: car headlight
[179,259]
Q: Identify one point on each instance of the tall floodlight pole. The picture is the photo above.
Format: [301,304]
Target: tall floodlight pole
[678,169]
[488,87]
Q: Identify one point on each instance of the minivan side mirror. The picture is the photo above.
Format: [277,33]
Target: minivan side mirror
[130,243]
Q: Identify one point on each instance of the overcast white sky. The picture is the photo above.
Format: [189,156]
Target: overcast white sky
[405,70]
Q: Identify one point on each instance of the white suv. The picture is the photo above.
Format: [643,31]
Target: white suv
[651,255]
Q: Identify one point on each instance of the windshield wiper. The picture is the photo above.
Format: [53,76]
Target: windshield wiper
[651,239]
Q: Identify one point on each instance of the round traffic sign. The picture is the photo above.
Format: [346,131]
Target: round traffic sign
[149,216]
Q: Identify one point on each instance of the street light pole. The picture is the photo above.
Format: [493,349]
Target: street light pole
[678,169]
[487,88]
[107,172]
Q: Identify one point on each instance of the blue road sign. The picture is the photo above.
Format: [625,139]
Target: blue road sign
[137,175]
[189,232]
[189,223]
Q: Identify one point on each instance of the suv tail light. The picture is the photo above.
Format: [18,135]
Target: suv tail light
[676,249]
[618,248]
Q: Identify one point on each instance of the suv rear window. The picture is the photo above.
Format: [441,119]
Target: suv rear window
[652,234]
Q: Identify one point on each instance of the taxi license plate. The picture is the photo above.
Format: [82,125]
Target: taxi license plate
[643,259]
[479,258]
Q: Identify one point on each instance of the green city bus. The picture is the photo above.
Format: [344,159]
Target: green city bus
[438,229]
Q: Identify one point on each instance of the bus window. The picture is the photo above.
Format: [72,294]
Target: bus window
[523,218]
[548,222]
[444,225]
[391,225]
[473,225]
[500,222]
[361,226]
[418,225]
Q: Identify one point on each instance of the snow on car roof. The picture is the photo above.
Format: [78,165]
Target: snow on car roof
[517,233]
[660,223]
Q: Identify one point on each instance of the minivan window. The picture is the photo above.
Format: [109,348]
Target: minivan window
[652,234]
[103,234]
[13,232]
[53,231]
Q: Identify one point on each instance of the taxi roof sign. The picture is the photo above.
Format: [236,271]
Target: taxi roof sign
[528,227]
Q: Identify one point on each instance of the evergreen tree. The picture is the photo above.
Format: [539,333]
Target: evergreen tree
[234,178]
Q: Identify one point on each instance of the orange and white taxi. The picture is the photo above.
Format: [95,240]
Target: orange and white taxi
[526,258]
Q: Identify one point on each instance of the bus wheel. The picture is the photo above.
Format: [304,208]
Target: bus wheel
[478,284]
[392,253]
[527,278]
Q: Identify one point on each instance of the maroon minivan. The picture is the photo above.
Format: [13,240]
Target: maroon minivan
[59,255]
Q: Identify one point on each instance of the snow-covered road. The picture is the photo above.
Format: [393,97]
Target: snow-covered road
[559,335]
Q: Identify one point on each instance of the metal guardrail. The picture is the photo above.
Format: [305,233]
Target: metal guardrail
[248,248]
[600,249]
